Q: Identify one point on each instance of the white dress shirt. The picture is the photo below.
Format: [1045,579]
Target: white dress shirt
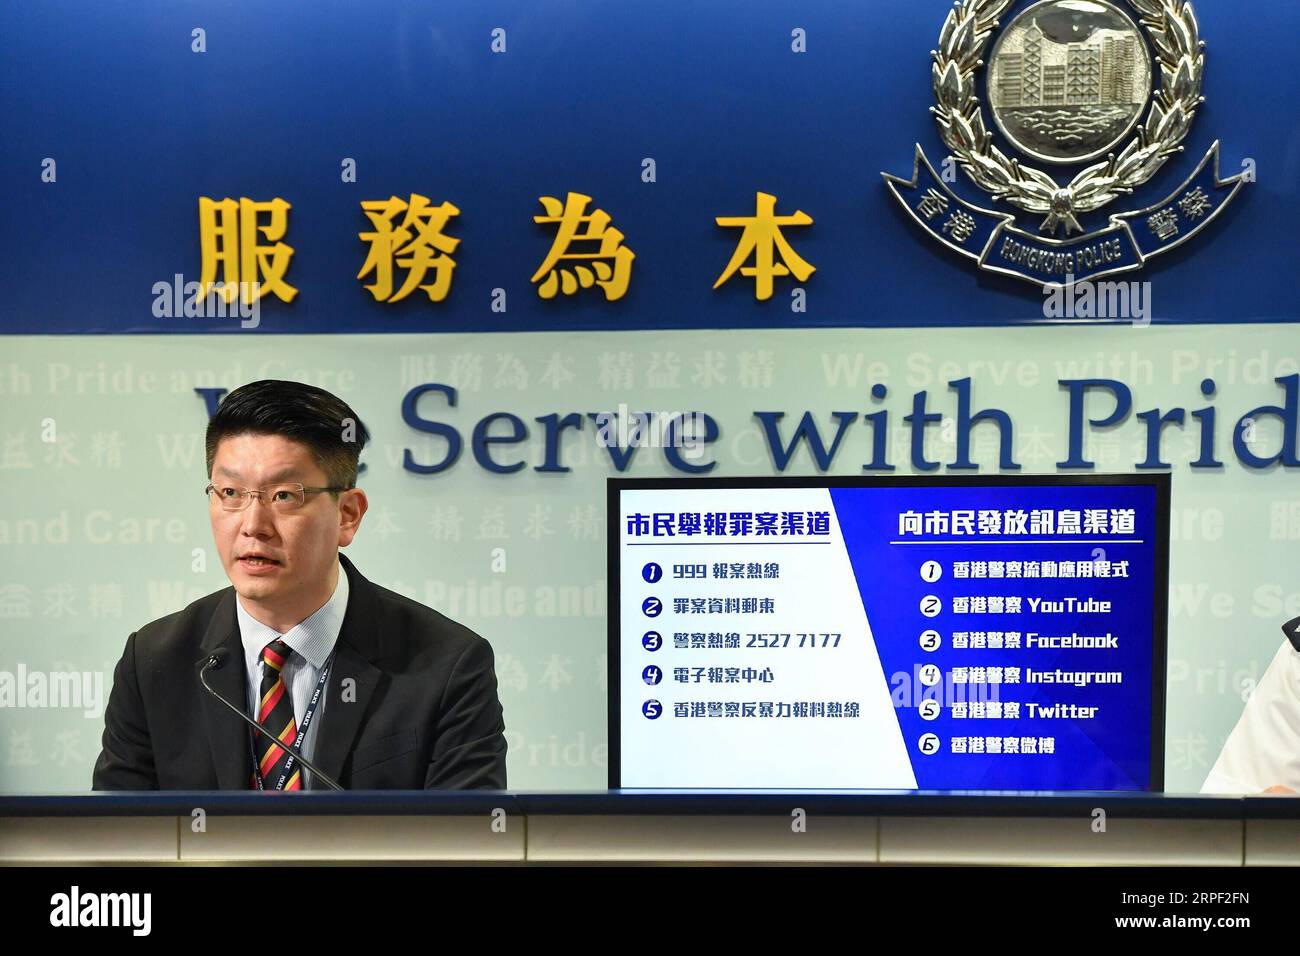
[312,642]
[1263,750]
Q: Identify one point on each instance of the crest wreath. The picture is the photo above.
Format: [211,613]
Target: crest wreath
[1175,36]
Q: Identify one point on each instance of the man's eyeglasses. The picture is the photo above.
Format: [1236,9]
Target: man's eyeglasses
[286,496]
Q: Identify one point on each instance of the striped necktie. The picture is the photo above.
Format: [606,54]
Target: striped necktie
[276,712]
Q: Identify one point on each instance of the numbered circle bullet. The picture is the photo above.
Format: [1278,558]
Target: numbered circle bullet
[652,607]
[928,744]
[652,640]
[931,571]
[929,674]
[652,709]
[652,674]
[931,605]
[929,709]
[931,641]
[652,572]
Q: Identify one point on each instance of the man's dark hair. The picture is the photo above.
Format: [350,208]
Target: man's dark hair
[303,413]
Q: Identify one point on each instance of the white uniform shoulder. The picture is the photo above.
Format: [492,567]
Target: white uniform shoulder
[1263,750]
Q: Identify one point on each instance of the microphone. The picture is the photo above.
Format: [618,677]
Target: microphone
[218,661]
[1292,631]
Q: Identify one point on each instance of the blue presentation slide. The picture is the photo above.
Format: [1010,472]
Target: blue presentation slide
[892,635]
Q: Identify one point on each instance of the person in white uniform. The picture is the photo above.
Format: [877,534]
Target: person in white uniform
[1262,754]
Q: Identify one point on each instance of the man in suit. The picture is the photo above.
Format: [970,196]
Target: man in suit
[379,691]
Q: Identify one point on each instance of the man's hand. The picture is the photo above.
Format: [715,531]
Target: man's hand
[1278,788]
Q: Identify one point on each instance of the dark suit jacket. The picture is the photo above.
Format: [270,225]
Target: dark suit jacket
[425,715]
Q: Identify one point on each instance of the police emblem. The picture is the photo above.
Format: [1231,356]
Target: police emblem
[1068,82]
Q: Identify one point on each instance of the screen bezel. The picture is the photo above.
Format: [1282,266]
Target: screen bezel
[1160,599]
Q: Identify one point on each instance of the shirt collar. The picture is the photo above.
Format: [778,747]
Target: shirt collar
[313,638]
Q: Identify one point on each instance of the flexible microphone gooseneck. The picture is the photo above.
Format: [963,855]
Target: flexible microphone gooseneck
[218,661]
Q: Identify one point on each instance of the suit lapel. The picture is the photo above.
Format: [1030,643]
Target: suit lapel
[228,736]
[355,653]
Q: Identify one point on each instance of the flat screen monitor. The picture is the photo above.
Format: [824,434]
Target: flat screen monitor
[942,633]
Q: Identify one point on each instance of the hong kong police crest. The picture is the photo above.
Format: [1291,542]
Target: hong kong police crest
[1068,82]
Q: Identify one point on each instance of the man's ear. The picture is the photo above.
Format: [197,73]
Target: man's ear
[352,507]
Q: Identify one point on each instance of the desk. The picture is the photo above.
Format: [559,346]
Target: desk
[521,827]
